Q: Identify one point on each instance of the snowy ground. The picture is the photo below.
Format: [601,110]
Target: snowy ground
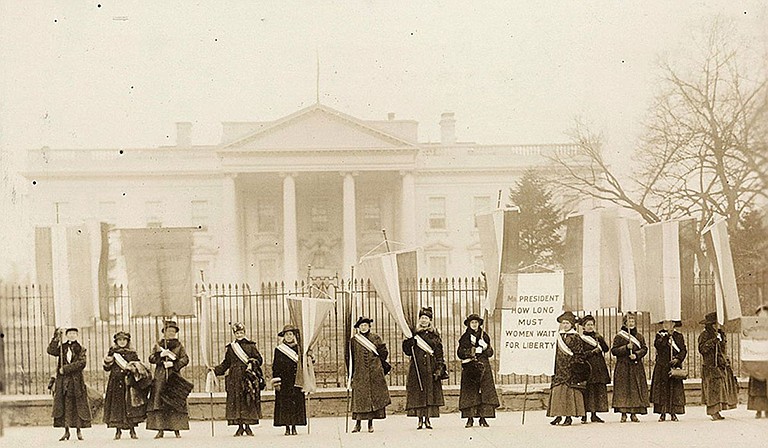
[740,429]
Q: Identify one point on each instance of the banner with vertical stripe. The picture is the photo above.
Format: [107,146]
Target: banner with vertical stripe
[719,254]
[499,233]
[591,261]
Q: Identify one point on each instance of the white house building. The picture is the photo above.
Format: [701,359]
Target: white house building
[312,188]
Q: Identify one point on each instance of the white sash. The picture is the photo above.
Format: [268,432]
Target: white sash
[365,342]
[589,340]
[288,351]
[423,345]
[630,338]
[121,362]
[239,352]
[562,345]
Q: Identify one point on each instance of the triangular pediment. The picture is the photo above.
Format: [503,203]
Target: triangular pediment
[317,127]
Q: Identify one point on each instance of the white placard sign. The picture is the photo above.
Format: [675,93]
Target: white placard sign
[529,328]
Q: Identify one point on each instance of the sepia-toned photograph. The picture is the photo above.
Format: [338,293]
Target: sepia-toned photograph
[384,223]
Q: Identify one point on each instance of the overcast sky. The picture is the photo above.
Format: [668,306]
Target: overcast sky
[109,74]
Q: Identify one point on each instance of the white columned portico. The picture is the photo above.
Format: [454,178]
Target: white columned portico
[231,265]
[290,238]
[408,208]
[349,223]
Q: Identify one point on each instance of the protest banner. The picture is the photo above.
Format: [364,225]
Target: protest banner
[529,325]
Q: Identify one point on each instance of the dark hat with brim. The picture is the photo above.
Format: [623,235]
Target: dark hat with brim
[289,328]
[363,320]
[170,324]
[121,335]
[471,317]
[587,318]
[710,318]
[567,316]
[426,311]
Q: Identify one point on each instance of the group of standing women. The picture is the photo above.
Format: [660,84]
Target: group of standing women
[579,384]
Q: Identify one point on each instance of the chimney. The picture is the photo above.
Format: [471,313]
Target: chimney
[391,116]
[184,134]
[447,128]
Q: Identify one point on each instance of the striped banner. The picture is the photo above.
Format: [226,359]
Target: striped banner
[631,265]
[499,233]
[719,254]
[669,260]
[73,261]
[591,261]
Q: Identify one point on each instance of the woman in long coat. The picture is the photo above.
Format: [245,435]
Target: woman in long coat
[290,409]
[596,392]
[478,396]
[630,386]
[668,394]
[758,392]
[565,400]
[242,366]
[424,388]
[169,357]
[719,390]
[70,397]
[119,413]
[370,394]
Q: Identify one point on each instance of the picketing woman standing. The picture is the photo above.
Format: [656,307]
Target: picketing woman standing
[719,390]
[244,381]
[596,392]
[370,394]
[70,396]
[125,399]
[290,409]
[758,392]
[630,386]
[168,410]
[424,388]
[477,398]
[565,400]
[667,391]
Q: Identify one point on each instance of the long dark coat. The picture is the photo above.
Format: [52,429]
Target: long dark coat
[290,408]
[118,411]
[718,385]
[70,386]
[159,415]
[369,387]
[630,386]
[241,383]
[430,393]
[596,359]
[668,395]
[477,388]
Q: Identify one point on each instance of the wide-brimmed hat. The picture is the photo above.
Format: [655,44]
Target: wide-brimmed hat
[121,335]
[290,327]
[238,326]
[761,308]
[587,318]
[170,324]
[426,311]
[569,316]
[471,317]
[363,320]
[710,318]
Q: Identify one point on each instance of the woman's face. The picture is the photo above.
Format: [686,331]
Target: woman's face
[122,342]
[589,326]
[289,337]
[631,322]
[424,321]
[474,324]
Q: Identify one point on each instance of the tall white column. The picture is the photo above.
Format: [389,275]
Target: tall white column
[290,239]
[408,208]
[229,254]
[349,223]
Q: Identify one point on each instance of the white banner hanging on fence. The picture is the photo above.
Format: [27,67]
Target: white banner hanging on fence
[528,330]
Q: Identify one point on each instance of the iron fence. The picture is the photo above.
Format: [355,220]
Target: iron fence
[23,312]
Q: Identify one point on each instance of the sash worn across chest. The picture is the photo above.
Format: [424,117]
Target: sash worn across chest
[288,351]
[630,338]
[121,362]
[239,352]
[562,345]
[423,345]
[366,343]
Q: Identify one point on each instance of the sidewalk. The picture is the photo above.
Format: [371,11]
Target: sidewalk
[694,430]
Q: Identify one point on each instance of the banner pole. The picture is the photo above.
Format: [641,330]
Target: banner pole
[525,397]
